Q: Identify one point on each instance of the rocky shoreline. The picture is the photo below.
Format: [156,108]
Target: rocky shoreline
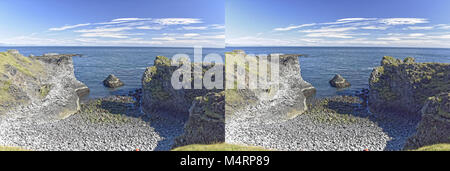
[157,117]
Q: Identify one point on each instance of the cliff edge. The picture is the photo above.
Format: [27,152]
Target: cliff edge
[39,88]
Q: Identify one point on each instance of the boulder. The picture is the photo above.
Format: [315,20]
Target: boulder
[404,86]
[38,89]
[434,128]
[112,82]
[339,82]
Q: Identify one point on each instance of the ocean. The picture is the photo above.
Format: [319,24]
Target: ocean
[318,67]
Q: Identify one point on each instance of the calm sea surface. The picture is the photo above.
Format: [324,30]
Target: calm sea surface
[129,63]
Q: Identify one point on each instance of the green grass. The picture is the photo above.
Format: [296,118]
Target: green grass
[218,147]
[4,148]
[436,147]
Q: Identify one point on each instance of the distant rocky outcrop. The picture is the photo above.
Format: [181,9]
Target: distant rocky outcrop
[112,82]
[404,86]
[39,88]
[434,128]
[339,82]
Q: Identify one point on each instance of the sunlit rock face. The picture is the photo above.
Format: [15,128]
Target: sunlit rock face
[404,86]
[283,99]
[38,88]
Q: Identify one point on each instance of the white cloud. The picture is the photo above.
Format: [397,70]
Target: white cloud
[329,29]
[130,19]
[419,28]
[149,28]
[416,35]
[177,21]
[195,28]
[348,20]
[293,27]
[68,27]
[108,35]
[443,26]
[221,36]
[164,38]
[124,20]
[354,19]
[191,35]
[389,38]
[217,26]
[374,28]
[403,21]
[330,35]
[104,29]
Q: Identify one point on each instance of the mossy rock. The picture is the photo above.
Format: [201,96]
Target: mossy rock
[404,85]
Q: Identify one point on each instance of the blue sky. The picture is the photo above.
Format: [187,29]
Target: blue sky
[399,23]
[112,22]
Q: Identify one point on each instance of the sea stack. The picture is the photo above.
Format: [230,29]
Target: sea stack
[113,82]
[339,82]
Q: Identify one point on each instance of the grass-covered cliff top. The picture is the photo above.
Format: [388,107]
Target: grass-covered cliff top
[436,147]
[13,64]
[218,147]
[427,78]
[4,148]
[23,64]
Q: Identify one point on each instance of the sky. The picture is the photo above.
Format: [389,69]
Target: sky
[219,23]
[172,23]
[377,23]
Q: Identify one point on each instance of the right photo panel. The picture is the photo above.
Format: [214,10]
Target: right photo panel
[337,75]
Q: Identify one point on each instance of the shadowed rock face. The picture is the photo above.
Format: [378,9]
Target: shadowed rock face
[38,89]
[206,122]
[203,108]
[404,86]
[434,128]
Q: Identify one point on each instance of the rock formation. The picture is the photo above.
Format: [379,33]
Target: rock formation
[280,102]
[158,93]
[206,122]
[41,88]
[339,82]
[203,108]
[112,82]
[404,86]
[434,128]
[209,111]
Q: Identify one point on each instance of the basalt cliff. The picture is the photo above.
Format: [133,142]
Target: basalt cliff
[411,88]
[209,112]
[38,88]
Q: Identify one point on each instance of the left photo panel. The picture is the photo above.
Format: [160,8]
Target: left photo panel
[110,75]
